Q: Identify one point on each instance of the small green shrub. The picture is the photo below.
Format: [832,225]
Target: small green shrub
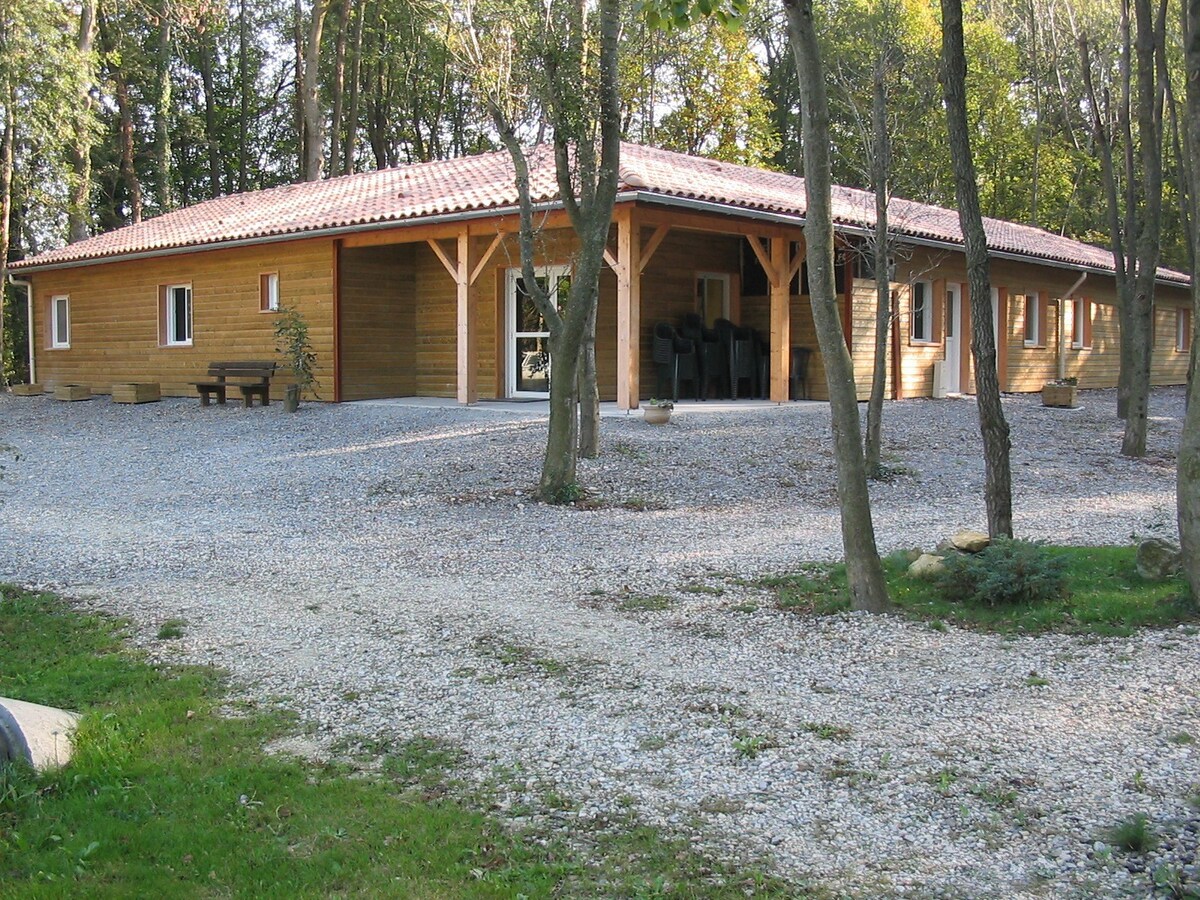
[1006,573]
[1135,835]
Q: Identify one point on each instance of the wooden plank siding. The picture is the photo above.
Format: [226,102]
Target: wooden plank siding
[378,318]
[397,321]
[1028,368]
[115,315]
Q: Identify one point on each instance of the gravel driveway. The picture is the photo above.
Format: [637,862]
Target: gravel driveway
[384,569]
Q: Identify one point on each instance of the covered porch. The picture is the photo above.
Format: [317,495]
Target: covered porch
[438,311]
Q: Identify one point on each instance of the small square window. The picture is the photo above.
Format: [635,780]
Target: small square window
[922,311]
[1033,320]
[268,292]
[60,322]
[177,315]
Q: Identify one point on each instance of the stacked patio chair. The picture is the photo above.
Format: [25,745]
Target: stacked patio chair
[714,367]
[676,359]
[744,361]
[799,374]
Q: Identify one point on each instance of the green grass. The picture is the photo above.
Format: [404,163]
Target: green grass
[1106,597]
[1134,834]
[165,796]
[645,602]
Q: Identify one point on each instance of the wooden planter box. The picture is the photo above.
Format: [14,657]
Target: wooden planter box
[1064,396]
[136,393]
[73,392]
[27,390]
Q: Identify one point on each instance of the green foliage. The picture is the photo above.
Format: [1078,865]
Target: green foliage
[567,494]
[1106,597]
[1134,834]
[1006,573]
[292,342]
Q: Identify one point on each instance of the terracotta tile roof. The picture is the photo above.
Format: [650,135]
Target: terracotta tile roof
[481,183]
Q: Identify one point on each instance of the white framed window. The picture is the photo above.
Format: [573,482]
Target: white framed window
[60,322]
[1033,320]
[177,315]
[1183,330]
[921,325]
[268,291]
[1080,315]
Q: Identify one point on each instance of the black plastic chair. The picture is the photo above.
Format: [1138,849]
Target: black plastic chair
[743,361]
[676,360]
[714,365]
[799,373]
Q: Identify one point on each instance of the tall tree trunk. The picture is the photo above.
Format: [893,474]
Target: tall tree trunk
[1036,78]
[314,142]
[128,167]
[993,427]
[1151,39]
[1125,302]
[79,211]
[212,138]
[868,590]
[881,162]
[162,114]
[1187,484]
[244,87]
[589,392]
[350,147]
[298,92]
[588,191]
[339,85]
[7,139]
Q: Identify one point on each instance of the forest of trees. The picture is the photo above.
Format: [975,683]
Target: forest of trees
[118,110]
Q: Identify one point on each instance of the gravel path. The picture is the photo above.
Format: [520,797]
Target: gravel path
[383,569]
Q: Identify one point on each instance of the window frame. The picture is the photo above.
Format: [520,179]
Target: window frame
[1080,316]
[57,341]
[727,288]
[926,316]
[1183,330]
[168,313]
[1033,301]
[266,302]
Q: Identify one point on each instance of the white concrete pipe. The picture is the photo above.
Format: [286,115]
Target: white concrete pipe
[39,736]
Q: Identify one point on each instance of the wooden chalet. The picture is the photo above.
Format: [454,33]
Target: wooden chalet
[409,281]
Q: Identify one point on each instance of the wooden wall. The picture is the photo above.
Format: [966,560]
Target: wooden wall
[399,318]
[378,322]
[115,315]
[1026,369]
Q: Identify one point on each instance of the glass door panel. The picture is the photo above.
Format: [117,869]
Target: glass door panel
[527,353]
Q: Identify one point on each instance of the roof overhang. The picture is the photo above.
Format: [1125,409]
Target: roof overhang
[639,196]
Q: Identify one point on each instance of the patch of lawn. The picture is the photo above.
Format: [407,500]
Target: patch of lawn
[1106,596]
[818,590]
[165,796]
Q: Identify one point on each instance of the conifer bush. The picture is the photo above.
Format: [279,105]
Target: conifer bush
[1005,573]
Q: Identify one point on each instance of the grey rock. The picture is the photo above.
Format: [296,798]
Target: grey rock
[1157,559]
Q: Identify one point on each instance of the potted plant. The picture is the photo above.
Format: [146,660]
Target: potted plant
[291,340]
[658,412]
[1062,393]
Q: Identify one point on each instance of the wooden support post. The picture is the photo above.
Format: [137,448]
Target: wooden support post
[628,269]
[781,314]
[468,388]
[1001,325]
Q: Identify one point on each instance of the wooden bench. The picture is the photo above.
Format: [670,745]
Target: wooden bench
[251,378]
